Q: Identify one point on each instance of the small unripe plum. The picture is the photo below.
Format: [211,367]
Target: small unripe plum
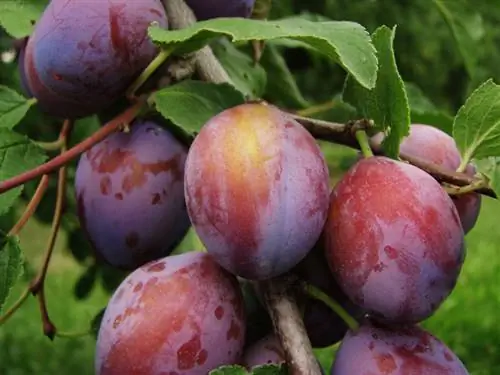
[376,350]
[434,145]
[130,193]
[204,10]
[394,241]
[324,327]
[180,315]
[267,350]
[83,54]
[256,189]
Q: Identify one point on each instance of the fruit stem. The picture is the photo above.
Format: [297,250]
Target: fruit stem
[65,157]
[318,294]
[149,71]
[317,108]
[32,206]
[364,143]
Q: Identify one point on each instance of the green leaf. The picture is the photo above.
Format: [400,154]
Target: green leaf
[347,43]
[466,26]
[18,17]
[11,265]
[387,103]
[490,167]
[85,283]
[190,104]
[270,370]
[476,128]
[95,324]
[247,77]
[229,370]
[17,154]
[423,111]
[13,107]
[282,88]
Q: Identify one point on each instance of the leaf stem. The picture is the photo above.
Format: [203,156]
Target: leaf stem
[318,294]
[50,146]
[461,190]
[148,72]
[128,115]
[71,335]
[317,108]
[32,206]
[15,306]
[364,143]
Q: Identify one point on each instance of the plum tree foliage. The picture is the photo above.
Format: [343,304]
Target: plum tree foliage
[206,204]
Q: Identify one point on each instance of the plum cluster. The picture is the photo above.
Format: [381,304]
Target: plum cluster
[386,243]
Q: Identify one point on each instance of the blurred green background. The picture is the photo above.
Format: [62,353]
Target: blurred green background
[440,70]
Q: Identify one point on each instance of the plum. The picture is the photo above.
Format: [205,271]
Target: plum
[181,315]
[130,194]
[83,54]
[267,350]
[377,350]
[204,9]
[256,188]
[394,241]
[434,145]
[324,327]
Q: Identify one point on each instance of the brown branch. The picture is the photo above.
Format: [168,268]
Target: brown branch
[32,206]
[209,68]
[64,158]
[343,134]
[289,326]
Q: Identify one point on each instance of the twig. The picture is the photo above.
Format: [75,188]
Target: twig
[32,206]
[289,326]
[343,134]
[65,157]
[37,285]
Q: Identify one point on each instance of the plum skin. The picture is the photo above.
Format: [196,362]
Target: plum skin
[434,145]
[182,315]
[256,188]
[130,194]
[408,350]
[267,350]
[394,241]
[204,10]
[83,54]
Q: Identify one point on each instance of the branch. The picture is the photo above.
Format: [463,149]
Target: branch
[64,158]
[209,68]
[289,326]
[343,134]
